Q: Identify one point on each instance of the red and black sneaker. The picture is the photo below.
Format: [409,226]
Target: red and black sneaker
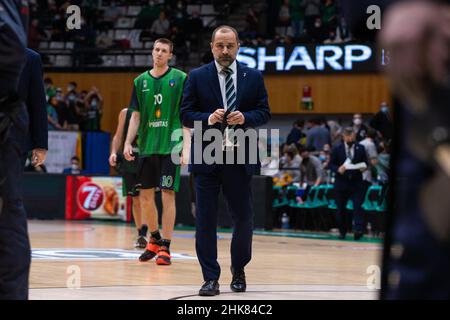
[150,251]
[163,258]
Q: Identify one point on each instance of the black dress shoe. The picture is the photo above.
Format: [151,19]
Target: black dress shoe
[209,288]
[238,283]
[358,235]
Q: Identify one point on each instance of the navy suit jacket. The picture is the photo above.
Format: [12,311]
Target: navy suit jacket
[350,177]
[202,96]
[31,90]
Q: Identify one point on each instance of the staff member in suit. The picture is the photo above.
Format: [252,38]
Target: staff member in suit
[349,183]
[15,253]
[211,90]
[32,92]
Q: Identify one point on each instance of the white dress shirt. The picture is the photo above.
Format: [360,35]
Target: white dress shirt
[352,150]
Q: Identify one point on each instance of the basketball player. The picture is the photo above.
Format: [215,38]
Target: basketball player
[129,171]
[155,103]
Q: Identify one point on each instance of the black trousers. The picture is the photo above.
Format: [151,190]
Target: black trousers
[356,192]
[235,185]
[15,252]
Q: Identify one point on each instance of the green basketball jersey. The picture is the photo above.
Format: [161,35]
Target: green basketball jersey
[158,102]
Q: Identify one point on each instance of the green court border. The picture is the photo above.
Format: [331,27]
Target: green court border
[259,232]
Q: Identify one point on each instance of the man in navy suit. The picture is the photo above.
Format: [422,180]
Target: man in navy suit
[224,94]
[15,252]
[348,182]
[32,92]
[29,132]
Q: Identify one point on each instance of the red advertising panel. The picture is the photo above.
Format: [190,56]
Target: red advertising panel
[96,198]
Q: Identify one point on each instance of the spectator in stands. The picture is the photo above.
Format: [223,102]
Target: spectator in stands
[194,29]
[317,33]
[71,93]
[179,15]
[284,18]
[178,39]
[35,35]
[312,12]
[297,12]
[252,21]
[147,15]
[382,122]
[343,32]
[94,109]
[146,35]
[52,116]
[161,27]
[311,169]
[66,109]
[335,132]
[297,136]
[332,38]
[104,40]
[83,39]
[372,157]
[329,17]
[317,136]
[324,156]
[50,90]
[290,161]
[109,16]
[359,127]
[74,168]
[383,162]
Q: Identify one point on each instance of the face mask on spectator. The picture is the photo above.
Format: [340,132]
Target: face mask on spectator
[322,157]
[357,121]
[58,97]
[384,109]
[94,103]
[71,97]
[74,166]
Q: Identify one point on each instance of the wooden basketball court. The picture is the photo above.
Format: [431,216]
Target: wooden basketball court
[95,260]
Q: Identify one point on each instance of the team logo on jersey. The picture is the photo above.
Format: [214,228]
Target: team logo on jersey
[145,84]
[158,113]
[172,83]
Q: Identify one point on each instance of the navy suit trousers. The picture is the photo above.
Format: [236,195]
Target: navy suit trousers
[15,252]
[235,185]
[356,192]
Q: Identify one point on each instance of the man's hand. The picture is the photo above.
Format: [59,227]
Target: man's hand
[38,157]
[113,159]
[235,117]
[128,152]
[184,160]
[342,169]
[217,116]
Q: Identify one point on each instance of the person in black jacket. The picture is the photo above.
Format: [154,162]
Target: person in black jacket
[15,253]
[416,256]
[349,182]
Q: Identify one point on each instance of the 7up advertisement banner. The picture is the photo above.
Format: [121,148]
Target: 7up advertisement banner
[96,198]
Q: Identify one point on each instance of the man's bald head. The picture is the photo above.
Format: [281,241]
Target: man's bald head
[224,29]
